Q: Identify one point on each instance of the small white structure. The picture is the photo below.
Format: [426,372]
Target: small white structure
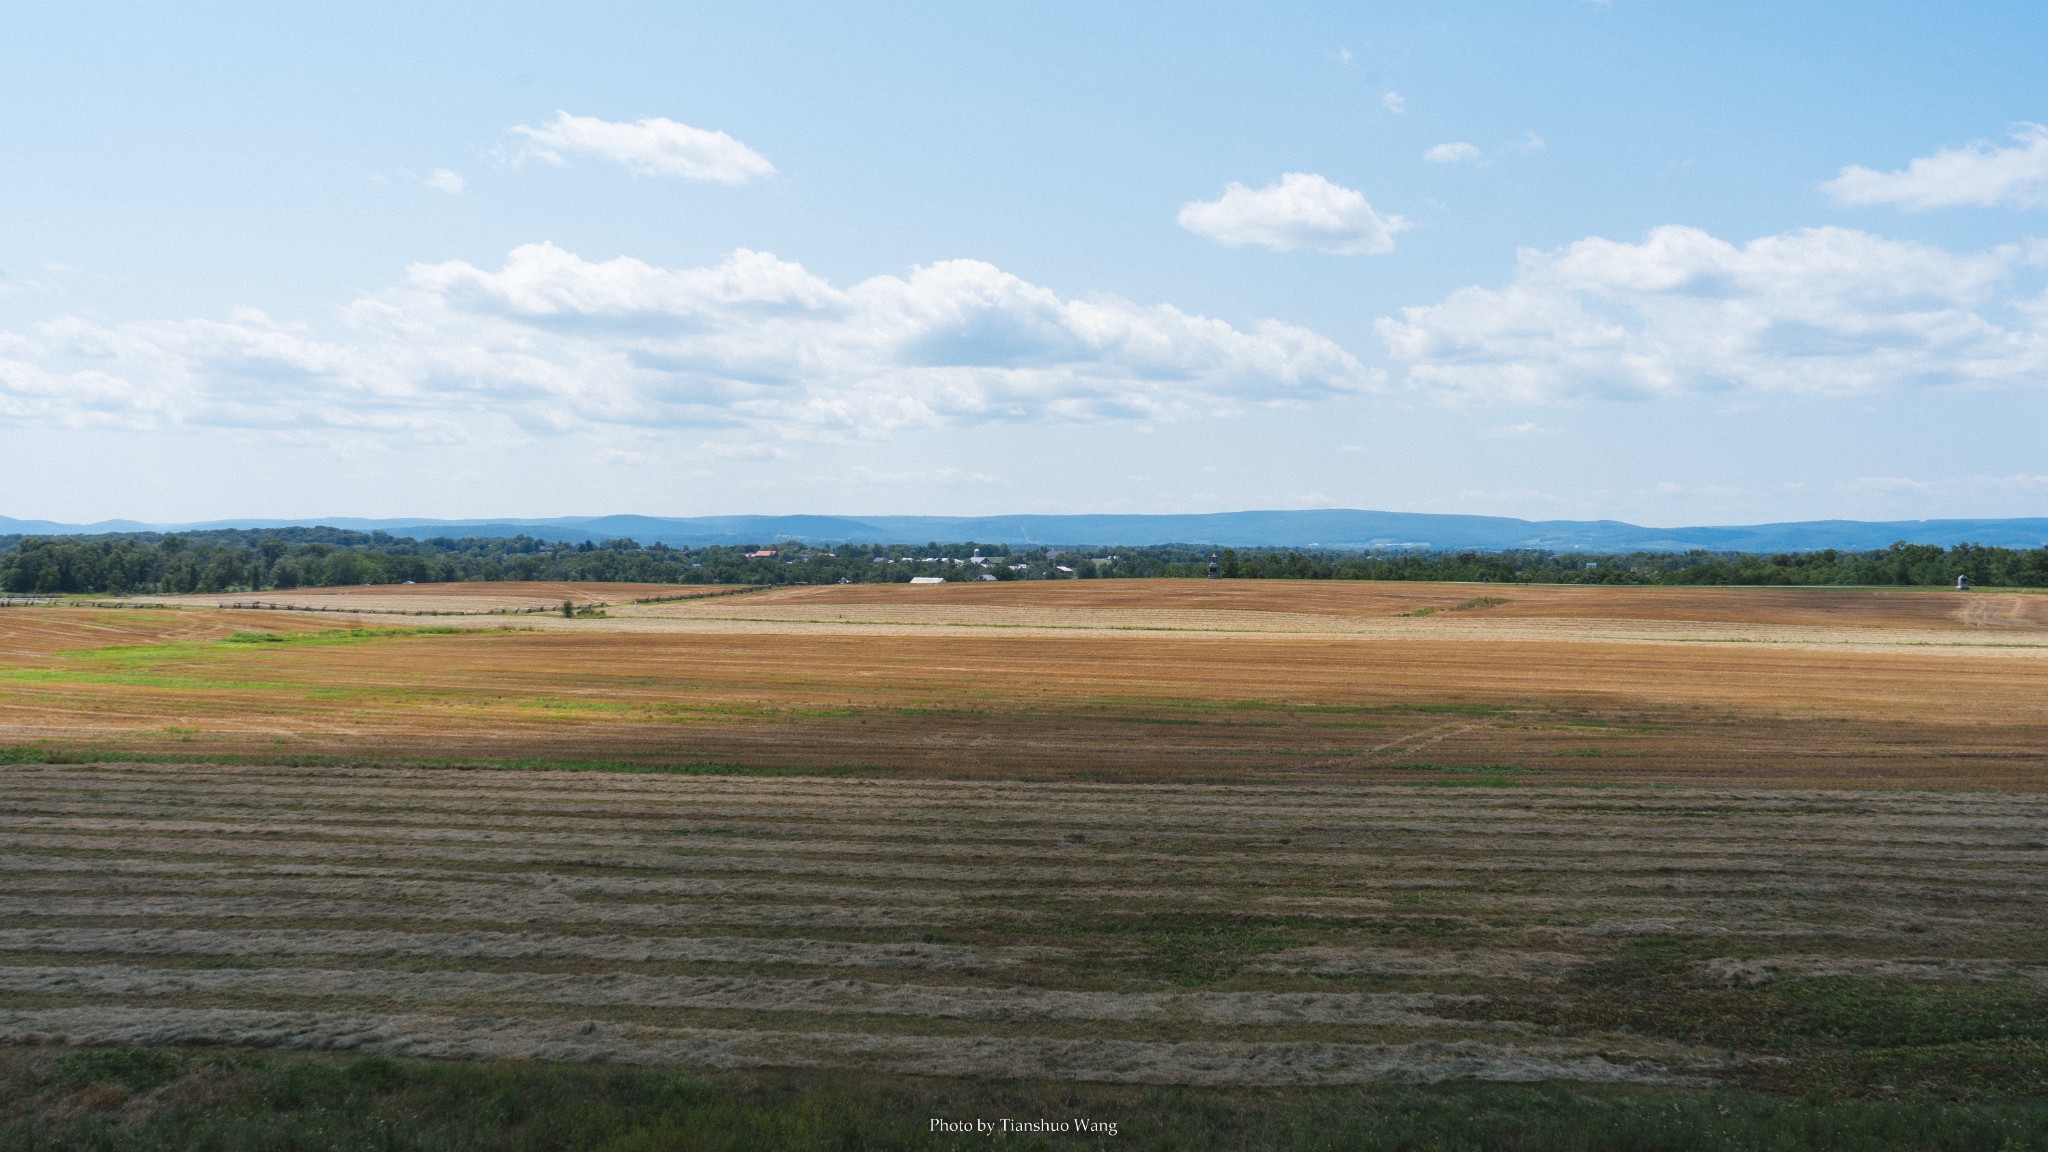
[927,579]
[1962,583]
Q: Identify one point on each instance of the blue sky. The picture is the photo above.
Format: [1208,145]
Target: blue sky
[1672,263]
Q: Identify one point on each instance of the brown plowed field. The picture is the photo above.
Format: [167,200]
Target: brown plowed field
[1108,680]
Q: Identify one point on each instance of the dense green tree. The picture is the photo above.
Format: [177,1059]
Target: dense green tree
[240,561]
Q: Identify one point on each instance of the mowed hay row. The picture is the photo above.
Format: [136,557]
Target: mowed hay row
[43,637]
[1309,933]
[1113,705]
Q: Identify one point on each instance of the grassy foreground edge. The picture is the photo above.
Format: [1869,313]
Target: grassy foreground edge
[119,1098]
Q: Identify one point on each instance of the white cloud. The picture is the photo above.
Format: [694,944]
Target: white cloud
[1451,153]
[650,147]
[862,474]
[1517,431]
[1302,210]
[1822,311]
[1674,488]
[551,342]
[444,180]
[1978,174]
[1911,492]
[1394,102]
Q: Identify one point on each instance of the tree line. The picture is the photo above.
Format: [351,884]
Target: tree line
[268,559]
[1902,564]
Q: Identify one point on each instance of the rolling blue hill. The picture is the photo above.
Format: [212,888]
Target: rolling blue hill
[1316,528]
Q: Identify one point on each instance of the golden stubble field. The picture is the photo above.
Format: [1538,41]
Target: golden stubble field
[1127,680]
[1190,832]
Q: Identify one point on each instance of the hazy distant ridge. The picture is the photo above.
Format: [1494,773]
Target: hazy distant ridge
[1328,528]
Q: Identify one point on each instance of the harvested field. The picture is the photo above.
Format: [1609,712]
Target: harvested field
[1849,607]
[431,599]
[1219,934]
[1223,836]
[1109,680]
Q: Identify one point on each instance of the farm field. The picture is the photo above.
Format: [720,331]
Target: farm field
[427,599]
[1108,680]
[1202,934]
[1280,846]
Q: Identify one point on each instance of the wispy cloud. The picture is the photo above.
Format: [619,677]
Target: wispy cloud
[1300,210]
[1519,431]
[862,474]
[1460,151]
[650,147]
[1976,174]
[1394,102]
[445,180]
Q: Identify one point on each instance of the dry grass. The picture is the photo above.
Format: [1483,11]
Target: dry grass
[1858,607]
[1107,679]
[1198,934]
[1185,833]
[416,599]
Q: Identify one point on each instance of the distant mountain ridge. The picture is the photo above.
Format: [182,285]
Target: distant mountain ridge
[1316,528]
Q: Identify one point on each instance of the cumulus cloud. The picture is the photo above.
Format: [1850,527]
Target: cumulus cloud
[650,147]
[1820,311]
[552,342]
[1302,210]
[1451,153]
[1978,174]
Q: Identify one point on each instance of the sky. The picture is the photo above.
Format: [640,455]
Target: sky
[1660,262]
